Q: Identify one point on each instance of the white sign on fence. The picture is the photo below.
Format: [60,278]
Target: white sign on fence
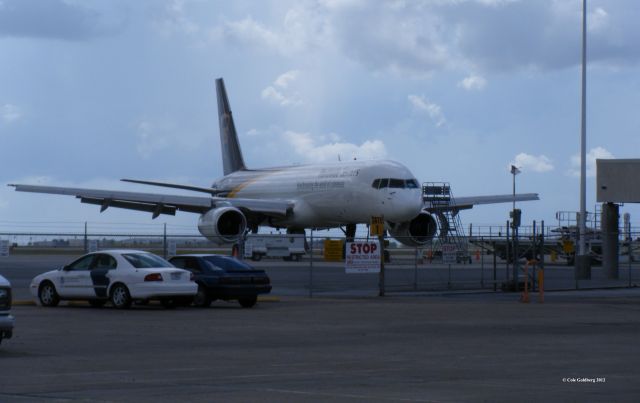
[449,253]
[4,248]
[362,257]
[172,247]
[93,245]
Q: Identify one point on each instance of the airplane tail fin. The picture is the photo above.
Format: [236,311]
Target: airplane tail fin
[231,153]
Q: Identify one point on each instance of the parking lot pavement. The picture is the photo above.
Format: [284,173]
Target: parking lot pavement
[399,348]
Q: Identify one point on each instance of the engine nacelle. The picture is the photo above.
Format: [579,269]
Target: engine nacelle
[417,232]
[222,224]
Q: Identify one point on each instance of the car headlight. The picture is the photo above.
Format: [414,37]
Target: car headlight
[5,298]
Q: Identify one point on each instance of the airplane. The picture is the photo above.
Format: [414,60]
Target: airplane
[315,196]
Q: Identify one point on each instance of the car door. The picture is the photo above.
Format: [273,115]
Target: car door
[75,278]
[99,275]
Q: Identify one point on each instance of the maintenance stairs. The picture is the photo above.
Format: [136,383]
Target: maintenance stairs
[439,201]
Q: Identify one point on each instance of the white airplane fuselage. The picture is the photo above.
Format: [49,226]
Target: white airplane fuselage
[330,195]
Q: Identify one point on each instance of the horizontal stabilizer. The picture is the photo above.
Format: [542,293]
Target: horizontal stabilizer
[211,191]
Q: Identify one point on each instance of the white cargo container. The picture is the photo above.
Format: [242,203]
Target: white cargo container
[286,246]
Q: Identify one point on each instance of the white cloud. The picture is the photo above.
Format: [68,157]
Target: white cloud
[597,20]
[151,138]
[338,4]
[10,113]
[176,20]
[303,28]
[309,147]
[423,105]
[281,92]
[284,79]
[527,162]
[473,82]
[592,156]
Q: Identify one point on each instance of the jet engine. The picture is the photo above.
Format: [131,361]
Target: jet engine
[417,232]
[222,224]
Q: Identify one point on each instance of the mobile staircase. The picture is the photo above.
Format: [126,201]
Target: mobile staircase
[439,201]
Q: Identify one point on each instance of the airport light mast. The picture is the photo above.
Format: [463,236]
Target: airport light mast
[515,224]
[582,260]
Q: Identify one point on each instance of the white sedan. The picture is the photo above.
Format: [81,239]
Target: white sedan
[119,276]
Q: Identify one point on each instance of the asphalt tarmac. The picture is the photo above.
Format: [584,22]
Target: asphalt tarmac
[350,346]
[578,346]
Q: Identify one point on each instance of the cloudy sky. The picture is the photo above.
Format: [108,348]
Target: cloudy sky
[457,90]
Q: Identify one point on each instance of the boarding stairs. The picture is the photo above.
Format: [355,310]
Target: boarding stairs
[439,201]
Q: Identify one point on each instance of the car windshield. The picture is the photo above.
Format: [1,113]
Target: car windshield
[146,260]
[227,263]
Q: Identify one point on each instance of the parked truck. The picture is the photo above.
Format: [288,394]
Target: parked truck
[285,246]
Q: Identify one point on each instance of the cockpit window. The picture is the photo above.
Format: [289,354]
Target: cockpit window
[412,184]
[396,183]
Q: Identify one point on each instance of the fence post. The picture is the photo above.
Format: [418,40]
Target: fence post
[535,257]
[482,263]
[415,268]
[508,246]
[495,267]
[164,241]
[86,240]
[629,252]
[311,268]
[381,278]
[542,242]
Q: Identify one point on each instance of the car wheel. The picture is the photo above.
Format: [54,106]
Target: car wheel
[48,295]
[256,257]
[248,302]
[202,299]
[120,297]
[97,303]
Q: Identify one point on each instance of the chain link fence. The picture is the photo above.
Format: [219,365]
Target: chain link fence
[486,265]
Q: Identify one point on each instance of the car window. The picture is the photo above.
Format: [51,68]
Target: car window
[193,265]
[227,263]
[81,264]
[146,260]
[187,263]
[178,262]
[104,261]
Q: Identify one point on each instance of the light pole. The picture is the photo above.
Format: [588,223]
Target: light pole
[515,223]
[583,262]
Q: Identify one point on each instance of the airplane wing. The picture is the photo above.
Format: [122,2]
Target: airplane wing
[464,203]
[160,203]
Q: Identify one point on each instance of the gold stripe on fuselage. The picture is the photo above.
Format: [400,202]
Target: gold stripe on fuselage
[248,182]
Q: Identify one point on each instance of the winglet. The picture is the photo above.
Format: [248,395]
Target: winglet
[231,154]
